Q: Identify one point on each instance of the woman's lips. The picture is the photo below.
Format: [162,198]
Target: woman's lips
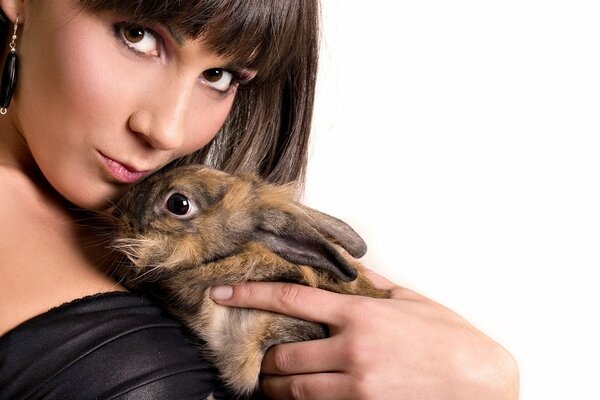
[121,172]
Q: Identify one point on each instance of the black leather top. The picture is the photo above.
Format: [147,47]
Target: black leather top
[107,346]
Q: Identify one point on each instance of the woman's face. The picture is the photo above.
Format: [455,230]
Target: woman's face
[101,102]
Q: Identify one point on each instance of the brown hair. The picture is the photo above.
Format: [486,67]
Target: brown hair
[267,130]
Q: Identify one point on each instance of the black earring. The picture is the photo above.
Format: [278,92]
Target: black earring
[9,73]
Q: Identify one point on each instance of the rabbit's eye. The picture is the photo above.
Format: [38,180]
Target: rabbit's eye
[178,204]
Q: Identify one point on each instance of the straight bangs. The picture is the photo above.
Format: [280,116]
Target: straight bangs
[267,130]
[254,34]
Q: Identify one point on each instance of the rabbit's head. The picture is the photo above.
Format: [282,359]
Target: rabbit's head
[191,215]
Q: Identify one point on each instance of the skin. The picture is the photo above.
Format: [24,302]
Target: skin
[409,348]
[82,92]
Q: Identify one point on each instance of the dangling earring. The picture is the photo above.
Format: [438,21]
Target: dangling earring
[9,73]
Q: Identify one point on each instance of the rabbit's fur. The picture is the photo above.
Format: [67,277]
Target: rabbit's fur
[238,228]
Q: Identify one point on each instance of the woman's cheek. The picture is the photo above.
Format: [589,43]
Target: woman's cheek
[204,124]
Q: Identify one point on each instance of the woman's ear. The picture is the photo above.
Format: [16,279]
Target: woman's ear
[12,8]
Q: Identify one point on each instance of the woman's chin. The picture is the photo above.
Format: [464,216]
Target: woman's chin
[100,201]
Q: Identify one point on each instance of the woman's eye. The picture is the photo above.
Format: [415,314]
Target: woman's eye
[139,39]
[217,78]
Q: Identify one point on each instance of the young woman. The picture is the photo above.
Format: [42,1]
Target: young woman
[108,91]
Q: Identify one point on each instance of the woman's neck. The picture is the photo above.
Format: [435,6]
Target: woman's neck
[14,151]
[16,157]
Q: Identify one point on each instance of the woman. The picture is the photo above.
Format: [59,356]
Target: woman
[109,91]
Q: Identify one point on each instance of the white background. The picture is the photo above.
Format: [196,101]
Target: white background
[461,139]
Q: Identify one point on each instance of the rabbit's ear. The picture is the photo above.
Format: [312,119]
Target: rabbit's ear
[301,244]
[337,230]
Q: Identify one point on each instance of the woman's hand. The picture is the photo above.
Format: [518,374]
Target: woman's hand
[407,347]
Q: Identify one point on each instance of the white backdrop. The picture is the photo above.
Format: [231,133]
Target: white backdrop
[461,139]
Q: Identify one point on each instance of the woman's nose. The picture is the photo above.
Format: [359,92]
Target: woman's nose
[160,118]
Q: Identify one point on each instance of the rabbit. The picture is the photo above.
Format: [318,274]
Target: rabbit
[190,228]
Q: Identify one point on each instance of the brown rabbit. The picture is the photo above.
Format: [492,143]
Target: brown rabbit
[191,228]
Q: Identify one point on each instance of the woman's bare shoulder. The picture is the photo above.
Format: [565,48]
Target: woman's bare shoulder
[43,261]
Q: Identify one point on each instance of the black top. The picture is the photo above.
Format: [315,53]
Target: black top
[107,346]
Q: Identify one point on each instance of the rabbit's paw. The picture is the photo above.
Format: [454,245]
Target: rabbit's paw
[241,372]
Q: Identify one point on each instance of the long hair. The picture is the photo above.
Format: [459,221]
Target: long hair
[267,130]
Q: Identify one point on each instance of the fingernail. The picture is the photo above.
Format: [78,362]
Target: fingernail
[221,292]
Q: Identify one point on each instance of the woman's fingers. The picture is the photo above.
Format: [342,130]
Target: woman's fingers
[324,386]
[323,355]
[300,301]
[406,347]
[286,298]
